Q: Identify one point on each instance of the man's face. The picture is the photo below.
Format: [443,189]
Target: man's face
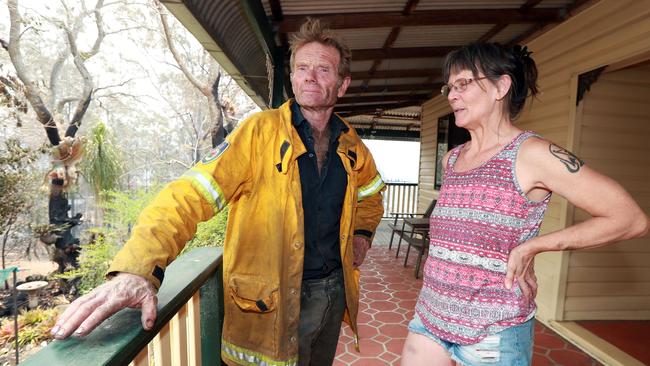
[315,77]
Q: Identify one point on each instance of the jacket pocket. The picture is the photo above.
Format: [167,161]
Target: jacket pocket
[252,293]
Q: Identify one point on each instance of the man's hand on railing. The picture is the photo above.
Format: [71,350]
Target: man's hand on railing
[123,290]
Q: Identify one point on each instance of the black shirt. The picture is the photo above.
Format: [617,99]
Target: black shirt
[322,197]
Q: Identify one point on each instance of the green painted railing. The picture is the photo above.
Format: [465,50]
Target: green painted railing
[119,339]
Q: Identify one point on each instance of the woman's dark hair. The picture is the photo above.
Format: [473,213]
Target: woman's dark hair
[495,60]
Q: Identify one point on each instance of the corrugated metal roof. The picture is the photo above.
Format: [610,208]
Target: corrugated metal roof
[469,4]
[411,63]
[361,65]
[554,3]
[396,81]
[413,110]
[297,7]
[382,93]
[485,4]
[510,32]
[364,38]
[440,35]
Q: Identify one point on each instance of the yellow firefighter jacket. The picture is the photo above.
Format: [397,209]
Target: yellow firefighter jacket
[255,171]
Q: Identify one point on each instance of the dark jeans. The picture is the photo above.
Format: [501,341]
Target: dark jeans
[322,303]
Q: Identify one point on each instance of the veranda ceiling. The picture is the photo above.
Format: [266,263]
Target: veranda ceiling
[397,46]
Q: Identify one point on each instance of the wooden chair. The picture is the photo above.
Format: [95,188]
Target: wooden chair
[398,225]
[421,244]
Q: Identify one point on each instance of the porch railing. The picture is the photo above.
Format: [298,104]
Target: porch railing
[187,330]
[400,198]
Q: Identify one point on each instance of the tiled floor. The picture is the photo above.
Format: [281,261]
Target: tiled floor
[388,295]
[631,336]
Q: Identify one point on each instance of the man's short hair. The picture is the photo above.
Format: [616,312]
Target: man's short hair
[312,30]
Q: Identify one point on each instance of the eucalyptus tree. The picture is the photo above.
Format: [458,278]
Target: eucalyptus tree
[75,62]
[59,92]
[208,79]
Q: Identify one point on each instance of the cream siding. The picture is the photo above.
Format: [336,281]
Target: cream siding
[431,111]
[608,32]
[615,130]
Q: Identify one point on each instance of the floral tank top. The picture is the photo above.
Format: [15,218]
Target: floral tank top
[480,216]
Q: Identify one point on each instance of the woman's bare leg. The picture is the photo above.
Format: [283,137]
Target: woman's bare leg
[420,350]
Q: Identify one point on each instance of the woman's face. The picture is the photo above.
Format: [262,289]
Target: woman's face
[473,100]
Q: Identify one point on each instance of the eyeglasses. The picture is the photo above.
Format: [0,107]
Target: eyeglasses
[459,85]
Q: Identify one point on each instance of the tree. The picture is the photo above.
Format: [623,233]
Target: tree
[69,62]
[55,111]
[219,106]
[14,198]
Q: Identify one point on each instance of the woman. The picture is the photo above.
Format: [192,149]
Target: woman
[496,187]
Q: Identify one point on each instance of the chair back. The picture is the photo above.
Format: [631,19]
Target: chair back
[429,210]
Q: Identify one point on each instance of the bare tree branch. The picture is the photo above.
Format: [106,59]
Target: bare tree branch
[86,94]
[115,85]
[125,3]
[172,47]
[79,60]
[120,94]
[129,29]
[32,93]
[99,22]
[25,31]
[54,77]
[62,103]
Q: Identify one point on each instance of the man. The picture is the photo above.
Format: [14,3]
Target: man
[304,197]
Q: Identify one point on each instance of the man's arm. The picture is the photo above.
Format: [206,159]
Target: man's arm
[369,207]
[137,270]
[368,216]
[162,230]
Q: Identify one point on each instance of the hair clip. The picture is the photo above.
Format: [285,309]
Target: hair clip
[521,52]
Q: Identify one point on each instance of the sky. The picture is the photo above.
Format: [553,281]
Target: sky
[397,161]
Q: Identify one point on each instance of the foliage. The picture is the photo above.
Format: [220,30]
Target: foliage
[210,233]
[17,190]
[33,326]
[102,165]
[122,211]
[14,172]
[123,208]
[94,261]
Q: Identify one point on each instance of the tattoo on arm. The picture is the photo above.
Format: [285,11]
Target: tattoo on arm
[572,162]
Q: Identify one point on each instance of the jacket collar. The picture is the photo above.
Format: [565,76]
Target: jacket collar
[289,145]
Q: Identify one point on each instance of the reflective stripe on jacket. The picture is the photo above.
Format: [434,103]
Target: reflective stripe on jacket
[255,171]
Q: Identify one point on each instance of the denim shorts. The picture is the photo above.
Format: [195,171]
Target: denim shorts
[510,347]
